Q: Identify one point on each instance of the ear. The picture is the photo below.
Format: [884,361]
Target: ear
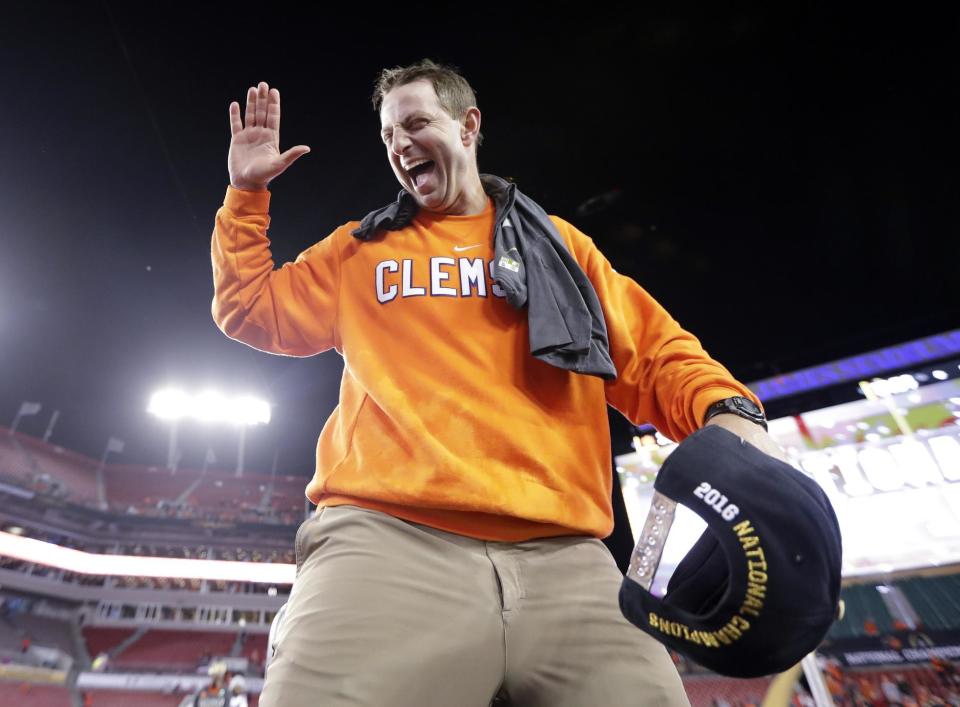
[470,126]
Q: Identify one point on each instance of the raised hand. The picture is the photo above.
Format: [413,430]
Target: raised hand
[255,158]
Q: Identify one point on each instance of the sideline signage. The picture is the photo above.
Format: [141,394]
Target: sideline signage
[900,648]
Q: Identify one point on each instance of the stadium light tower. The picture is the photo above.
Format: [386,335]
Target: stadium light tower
[208,406]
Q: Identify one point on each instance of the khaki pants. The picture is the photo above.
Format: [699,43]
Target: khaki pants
[389,613]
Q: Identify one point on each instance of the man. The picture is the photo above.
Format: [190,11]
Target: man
[463,481]
[238,691]
[213,695]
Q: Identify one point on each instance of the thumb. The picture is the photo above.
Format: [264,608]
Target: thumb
[293,154]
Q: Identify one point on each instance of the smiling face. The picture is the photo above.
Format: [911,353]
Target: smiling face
[432,154]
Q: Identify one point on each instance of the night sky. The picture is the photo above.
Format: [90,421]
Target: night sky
[786,185]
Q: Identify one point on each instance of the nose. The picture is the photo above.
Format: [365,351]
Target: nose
[400,141]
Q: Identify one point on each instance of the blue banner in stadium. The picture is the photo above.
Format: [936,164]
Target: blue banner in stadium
[862,367]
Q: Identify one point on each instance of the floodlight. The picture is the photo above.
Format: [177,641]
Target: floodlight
[252,411]
[168,404]
[208,406]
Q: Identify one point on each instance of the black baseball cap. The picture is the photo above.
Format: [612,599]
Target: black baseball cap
[761,587]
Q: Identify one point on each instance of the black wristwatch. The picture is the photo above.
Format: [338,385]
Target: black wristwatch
[737,405]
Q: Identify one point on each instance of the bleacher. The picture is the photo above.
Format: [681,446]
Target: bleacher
[143,487]
[702,691]
[254,648]
[862,605]
[128,698]
[48,469]
[155,652]
[219,494]
[103,640]
[136,495]
[173,650]
[924,684]
[222,491]
[43,631]
[936,599]
[30,695]
[13,466]
[287,494]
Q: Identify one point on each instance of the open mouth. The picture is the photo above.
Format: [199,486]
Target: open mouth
[419,173]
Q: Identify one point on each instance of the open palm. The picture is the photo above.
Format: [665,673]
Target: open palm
[255,158]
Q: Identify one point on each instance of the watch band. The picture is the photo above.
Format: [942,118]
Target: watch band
[737,405]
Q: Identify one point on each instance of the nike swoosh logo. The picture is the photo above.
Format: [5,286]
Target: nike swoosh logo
[460,249]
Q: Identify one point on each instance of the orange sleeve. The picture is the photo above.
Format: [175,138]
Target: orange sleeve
[664,376]
[289,311]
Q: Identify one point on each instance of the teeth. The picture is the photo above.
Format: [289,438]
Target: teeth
[414,164]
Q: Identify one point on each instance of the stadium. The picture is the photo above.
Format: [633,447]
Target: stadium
[685,205]
[110,596]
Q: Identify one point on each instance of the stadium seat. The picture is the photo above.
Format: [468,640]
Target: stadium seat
[103,640]
[29,695]
[174,649]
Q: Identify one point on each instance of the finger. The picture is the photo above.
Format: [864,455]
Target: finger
[251,107]
[235,124]
[293,154]
[262,92]
[273,110]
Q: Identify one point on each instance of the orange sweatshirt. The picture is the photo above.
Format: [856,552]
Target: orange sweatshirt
[445,418]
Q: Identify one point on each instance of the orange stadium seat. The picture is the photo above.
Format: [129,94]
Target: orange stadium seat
[143,487]
[255,648]
[49,469]
[12,462]
[101,640]
[126,698]
[174,649]
[38,695]
[223,490]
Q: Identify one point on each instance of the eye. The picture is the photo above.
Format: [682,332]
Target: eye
[386,136]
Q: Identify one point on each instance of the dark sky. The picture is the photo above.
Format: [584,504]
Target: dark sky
[785,184]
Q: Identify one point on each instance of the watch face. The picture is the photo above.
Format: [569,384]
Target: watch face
[747,405]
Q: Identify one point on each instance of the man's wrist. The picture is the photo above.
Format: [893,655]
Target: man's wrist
[247,203]
[749,432]
[248,187]
[739,406]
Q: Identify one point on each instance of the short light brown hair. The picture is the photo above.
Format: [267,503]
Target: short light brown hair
[454,93]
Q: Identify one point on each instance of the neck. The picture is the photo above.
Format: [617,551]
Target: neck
[471,200]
